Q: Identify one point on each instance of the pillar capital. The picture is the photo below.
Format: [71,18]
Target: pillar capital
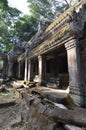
[40,56]
[71,44]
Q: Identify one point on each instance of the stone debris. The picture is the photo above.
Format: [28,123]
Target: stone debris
[45,108]
[16,120]
[53,95]
[11,109]
[72,127]
[60,106]
[5,103]
[2,89]
[19,85]
[39,112]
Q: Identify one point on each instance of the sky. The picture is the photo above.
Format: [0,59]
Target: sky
[22,5]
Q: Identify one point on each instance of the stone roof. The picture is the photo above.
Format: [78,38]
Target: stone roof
[62,16]
[55,32]
[65,26]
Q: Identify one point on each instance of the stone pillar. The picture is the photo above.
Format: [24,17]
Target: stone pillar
[10,69]
[44,70]
[40,68]
[29,70]
[5,68]
[73,57]
[26,69]
[19,69]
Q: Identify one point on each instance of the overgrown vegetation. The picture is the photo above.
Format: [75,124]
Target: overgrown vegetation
[16,27]
[49,8]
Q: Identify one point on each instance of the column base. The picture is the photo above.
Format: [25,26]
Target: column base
[76,99]
[77,96]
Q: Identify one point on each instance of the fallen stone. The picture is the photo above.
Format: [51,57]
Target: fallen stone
[72,127]
[75,117]
[6,103]
[19,85]
[2,89]
[47,109]
[51,94]
[29,99]
[16,121]
[60,106]
[58,96]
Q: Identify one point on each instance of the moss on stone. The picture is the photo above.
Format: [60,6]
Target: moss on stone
[35,113]
[68,102]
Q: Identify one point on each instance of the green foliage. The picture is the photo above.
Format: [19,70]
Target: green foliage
[49,8]
[15,27]
[8,17]
[26,27]
[3,4]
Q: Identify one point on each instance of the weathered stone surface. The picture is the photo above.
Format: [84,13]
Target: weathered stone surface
[3,56]
[30,99]
[58,96]
[12,114]
[2,88]
[37,117]
[17,50]
[18,85]
[53,94]
[71,127]
[39,37]
[76,116]
[6,103]
[16,120]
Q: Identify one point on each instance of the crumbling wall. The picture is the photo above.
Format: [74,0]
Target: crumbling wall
[3,57]
[17,50]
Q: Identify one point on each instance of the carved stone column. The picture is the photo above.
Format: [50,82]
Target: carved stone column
[29,70]
[5,68]
[40,68]
[73,57]
[19,69]
[10,69]
[26,69]
[44,69]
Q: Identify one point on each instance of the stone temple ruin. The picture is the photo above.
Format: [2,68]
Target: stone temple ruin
[49,74]
[55,56]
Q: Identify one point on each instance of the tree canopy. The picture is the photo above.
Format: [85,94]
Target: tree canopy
[15,27]
[26,27]
[49,8]
[8,17]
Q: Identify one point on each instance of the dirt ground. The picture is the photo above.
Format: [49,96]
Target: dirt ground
[13,111]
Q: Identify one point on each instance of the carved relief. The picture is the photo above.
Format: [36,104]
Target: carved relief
[76,20]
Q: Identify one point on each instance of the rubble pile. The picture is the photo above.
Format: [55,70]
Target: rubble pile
[23,107]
